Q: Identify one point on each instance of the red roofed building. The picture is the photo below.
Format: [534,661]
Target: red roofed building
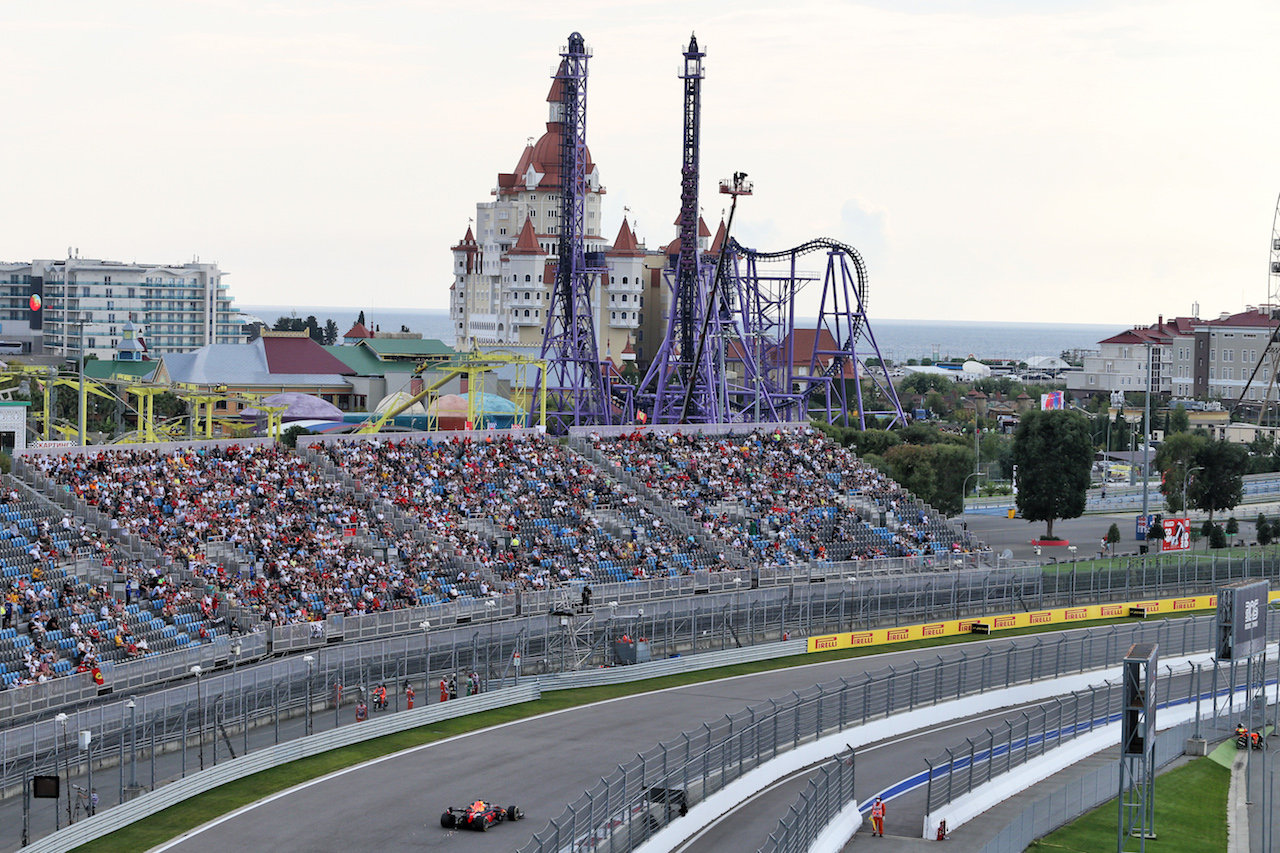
[1190,357]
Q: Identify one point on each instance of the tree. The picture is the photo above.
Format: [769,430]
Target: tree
[1155,533]
[290,437]
[923,383]
[1179,420]
[1221,484]
[1053,454]
[1233,526]
[360,319]
[952,464]
[1217,539]
[330,333]
[1119,439]
[287,324]
[1175,458]
[912,467]
[1113,536]
[874,441]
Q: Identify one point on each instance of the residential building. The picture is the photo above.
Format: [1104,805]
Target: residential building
[77,304]
[1191,358]
[1225,353]
[1120,363]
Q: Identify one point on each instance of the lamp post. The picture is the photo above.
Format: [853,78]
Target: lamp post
[86,746]
[133,743]
[81,417]
[199,673]
[1186,477]
[964,492]
[425,625]
[235,655]
[310,661]
[61,720]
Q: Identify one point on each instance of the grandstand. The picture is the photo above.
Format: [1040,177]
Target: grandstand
[177,545]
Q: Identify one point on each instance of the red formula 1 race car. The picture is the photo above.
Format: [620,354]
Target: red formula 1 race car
[479,816]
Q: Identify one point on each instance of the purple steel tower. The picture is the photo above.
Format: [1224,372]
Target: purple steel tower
[684,383]
[575,380]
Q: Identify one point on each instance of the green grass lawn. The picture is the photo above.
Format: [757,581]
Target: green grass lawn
[191,813]
[1191,816]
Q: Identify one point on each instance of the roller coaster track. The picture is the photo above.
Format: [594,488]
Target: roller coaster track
[809,247]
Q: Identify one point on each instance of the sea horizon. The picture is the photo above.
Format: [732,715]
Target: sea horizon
[896,338]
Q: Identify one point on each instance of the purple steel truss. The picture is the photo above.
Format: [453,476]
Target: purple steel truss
[794,374]
[685,383]
[577,389]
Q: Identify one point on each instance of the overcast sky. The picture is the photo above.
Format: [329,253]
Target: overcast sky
[1040,160]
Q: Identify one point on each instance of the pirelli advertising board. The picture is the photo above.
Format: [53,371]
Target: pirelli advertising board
[1003,622]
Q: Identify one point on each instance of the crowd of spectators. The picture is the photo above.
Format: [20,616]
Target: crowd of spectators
[785,497]
[527,511]
[461,515]
[290,526]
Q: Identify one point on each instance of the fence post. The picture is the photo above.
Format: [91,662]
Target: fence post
[972,760]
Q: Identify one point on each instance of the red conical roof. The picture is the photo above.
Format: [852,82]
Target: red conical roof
[468,242]
[718,243]
[626,245]
[528,243]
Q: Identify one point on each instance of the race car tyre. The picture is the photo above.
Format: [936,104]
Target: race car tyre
[514,813]
[484,824]
[448,821]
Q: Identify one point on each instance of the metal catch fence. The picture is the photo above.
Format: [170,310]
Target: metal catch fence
[958,771]
[828,793]
[641,797]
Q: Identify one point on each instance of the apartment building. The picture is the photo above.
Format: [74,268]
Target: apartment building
[78,304]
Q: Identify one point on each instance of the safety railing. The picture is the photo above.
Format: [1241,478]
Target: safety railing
[828,793]
[957,771]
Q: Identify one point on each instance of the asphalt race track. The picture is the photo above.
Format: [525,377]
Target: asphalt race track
[541,764]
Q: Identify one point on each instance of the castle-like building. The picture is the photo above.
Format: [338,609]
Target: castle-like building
[504,268]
